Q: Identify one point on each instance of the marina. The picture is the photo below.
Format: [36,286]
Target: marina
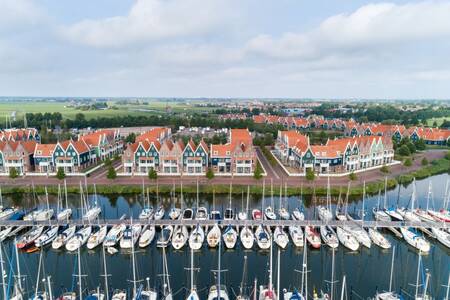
[146,235]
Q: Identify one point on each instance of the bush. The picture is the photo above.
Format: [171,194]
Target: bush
[108,162]
[258,173]
[352,176]
[424,161]
[407,162]
[13,173]
[111,173]
[447,155]
[210,173]
[60,174]
[310,175]
[152,175]
[404,150]
[411,147]
[420,144]
[384,169]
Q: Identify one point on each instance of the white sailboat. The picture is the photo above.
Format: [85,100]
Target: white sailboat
[267,292]
[97,237]
[269,213]
[165,237]
[282,211]
[229,212]
[312,236]
[415,239]
[243,214]
[196,238]
[214,235]
[247,237]
[138,294]
[130,236]
[147,236]
[115,234]
[91,212]
[389,294]
[263,238]
[347,239]
[379,239]
[6,213]
[218,291]
[324,211]
[280,237]
[166,289]
[180,237]
[298,215]
[47,237]
[410,215]
[329,236]
[230,237]
[442,235]
[193,295]
[160,212]
[63,213]
[28,238]
[147,211]
[297,293]
[297,235]
[62,238]
[79,239]
[242,294]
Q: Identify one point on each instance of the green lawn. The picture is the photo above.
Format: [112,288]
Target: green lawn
[439,121]
[153,107]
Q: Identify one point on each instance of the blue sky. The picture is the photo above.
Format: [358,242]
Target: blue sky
[225,48]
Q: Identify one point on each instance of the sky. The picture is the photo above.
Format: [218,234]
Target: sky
[326,49]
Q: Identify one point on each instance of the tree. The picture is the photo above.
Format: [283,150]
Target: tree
[60,174]
[352,176]
[258,173]
[404,150]
[407,162]
[111,173]
[108,162]
[411,147]
[13,173]
[424,161]
[131,138]
[152,175]
[420,144]
[384,169]
[310,175]
[210,173]
[447,155]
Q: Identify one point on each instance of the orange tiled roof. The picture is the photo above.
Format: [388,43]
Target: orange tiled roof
[44,149]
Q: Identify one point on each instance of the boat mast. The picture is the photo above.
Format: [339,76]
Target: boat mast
[278,272]
[218,273]
[133,259]
[241,288]
[413,196]
[197,195]
[106,274]
[270,265]
[363,202]
[248,196]
[231,187]
[429,195]
[65,193]
[385,192]
[3,273]
[50,292]
[271,192]
[343,288]
[281,194]
[19,277]
[192,269]
[46,198]
[392,269]
[262,202]
[38,273]
[167,289]
[332,274]
[418,275]
[80,289]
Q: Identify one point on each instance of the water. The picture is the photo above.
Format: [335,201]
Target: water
[365,271]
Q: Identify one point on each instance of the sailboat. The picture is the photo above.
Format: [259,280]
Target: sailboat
[243,214]
[165,237]
[159,214]
[282,211]
[180,237]
[242,294]
[62,238]
[324,212]
[389,294]
[230,237]
[79,239]
[410,215]
[97,237]
[6,213]
[115,234]
[378,212]
[28,238]
[193,295]
[40,214]
[166,289]
[214,235]
[297,293]
[297,214]
[256,213]
[202,212]
[18,293]
[268,211]
[297,235]
[329,236]
[280,237]
[218,291]
[378,239]
[138,294]
[215,214]
[130,236]
[423,213]
[358,231]
[38,295]
[47,237]
[263,238]
[63,213]
[347,239]
[442,235]
[312,236]
[196,238]
[267,292]
[413,238]
[247,237]
[92,212]
[147,236]
[229,212]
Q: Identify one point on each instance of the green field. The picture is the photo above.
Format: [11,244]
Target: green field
[153,107]
[439,121]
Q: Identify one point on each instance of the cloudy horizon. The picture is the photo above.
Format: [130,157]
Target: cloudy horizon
[225,48]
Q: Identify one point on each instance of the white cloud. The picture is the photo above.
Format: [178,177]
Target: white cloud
[17,14]
[150,20]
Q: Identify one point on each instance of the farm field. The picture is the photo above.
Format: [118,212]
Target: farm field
[153,107]
[439,121]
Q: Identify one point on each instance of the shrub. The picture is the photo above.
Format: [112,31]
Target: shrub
[152,175]
[60,174]
[407,162]
[210,173]
[108,162]
[384,169]
[258,173]
[420,144]
[424,161]
[13,173]
[111,173]
[411,147]
[310,175]
[404,150]
[352,176]
[447,155]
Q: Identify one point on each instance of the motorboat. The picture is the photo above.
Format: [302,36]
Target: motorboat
[79,239]
[196,238]
[230,237]
[297,236]
[312,236]
[130,236]
[213,237]
[280,237]
[263,238]
[347,239]
[180,237]
[378,239]
[62,238]
[202,214]
[28,238]
[165,237]
[47,237]
[329,236]
[247,237]
[147,236]
[97,237]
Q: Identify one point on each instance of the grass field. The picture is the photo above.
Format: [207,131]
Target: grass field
[153,107]
[439,121]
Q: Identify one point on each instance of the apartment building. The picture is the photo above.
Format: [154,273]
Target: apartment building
[17,155]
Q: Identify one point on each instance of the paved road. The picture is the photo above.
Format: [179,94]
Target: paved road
[275,173]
